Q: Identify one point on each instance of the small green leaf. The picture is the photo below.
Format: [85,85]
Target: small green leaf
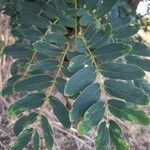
[29,34]
[78,81]
[36,141]
[87,98]
[79,45]
[22,140]
[102,138]
[79,62]
[23,121]
[99,38]
[56,38]
[48,49]
[18,65]
[60,84]
[27,102]
[143,84]
[60,111]
[30,18]
[48,133]
[18,50]
[67,21]
[91,118]
[46,65]
[117,137]
[121,110]
[140,49]
[60,6]
[111,51]
[104,7]
[141,62]
[91,4]
[86,19]
[121,71]
[91,30]
[125,31]
[59,29]
[8,88]
[36,82]
[127,92]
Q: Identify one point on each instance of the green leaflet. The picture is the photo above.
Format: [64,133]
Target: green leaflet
[50,11]
[102,138]
[86,18]
[100,37]
[117,137]
[36,141]
[82,103]
[8,88]
[22,140]
[91,4]
[91,30]
[23,121]
[47,131]
[127,92]
[143,84]
[125,31]
[79,62]
[56,38]
[27,102]
[141,62]
[36,82]
[18,50]
[60,6]
[79,45]
[18,65]
[121,71]
[121,110]
[47,65]
[29,18]
[29,34]
[48,49]
[111,51]
[67,21]
[59,29]
[78,81]
[104,7]
[60,84]
[91,118]
[140,49]
[60,111]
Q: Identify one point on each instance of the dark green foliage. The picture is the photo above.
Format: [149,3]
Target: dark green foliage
[85,51]
[60,111]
